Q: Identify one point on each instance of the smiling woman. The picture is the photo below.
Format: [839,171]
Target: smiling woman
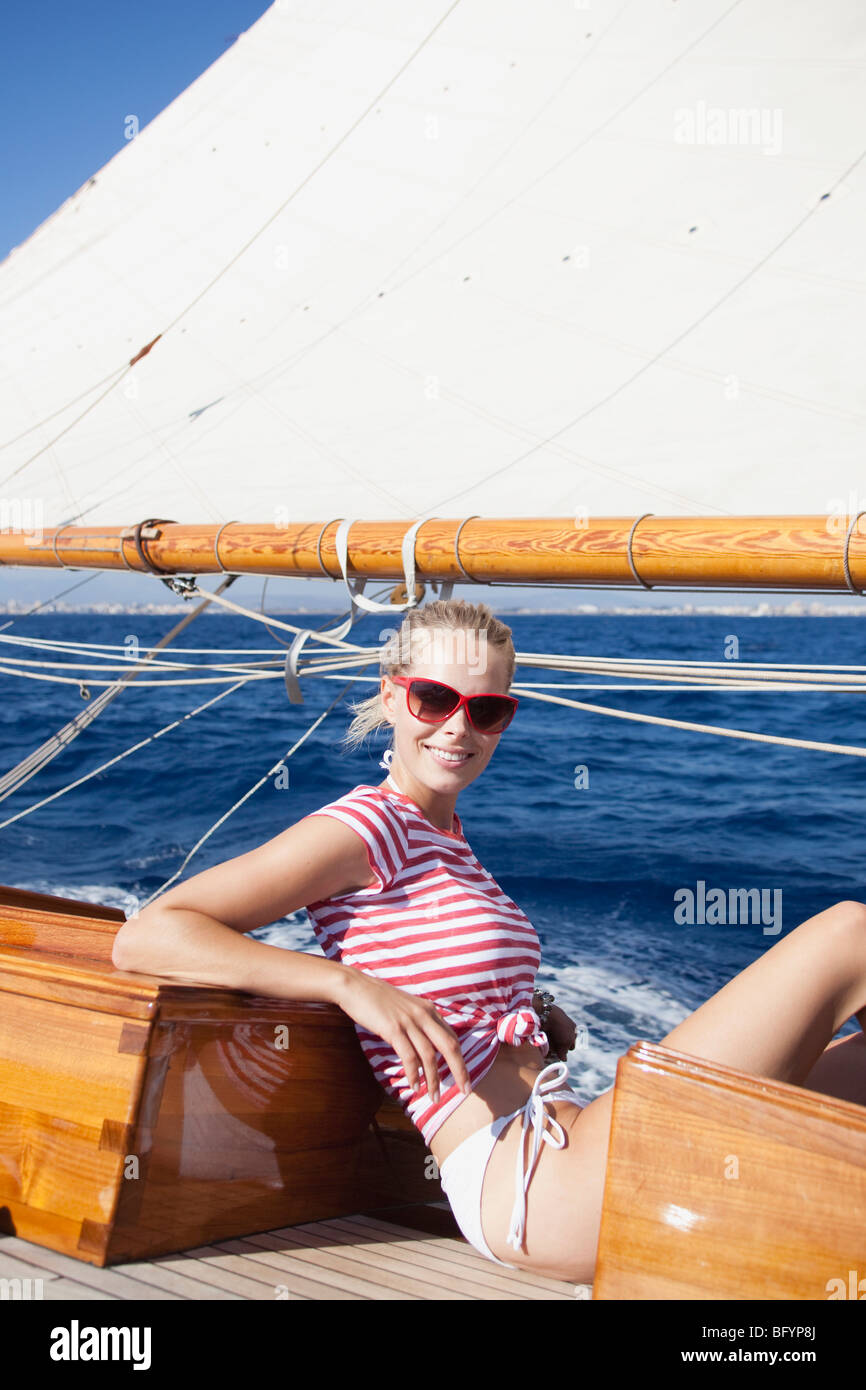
[436,966]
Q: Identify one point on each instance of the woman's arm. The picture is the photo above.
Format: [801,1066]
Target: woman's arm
[195,932]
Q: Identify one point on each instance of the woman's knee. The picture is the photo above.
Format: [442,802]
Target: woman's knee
[849,918]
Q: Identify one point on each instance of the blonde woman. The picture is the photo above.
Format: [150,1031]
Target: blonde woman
[437,966]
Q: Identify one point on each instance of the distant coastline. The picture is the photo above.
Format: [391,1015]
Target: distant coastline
[794,608]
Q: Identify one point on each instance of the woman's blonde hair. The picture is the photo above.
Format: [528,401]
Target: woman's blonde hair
[399,651]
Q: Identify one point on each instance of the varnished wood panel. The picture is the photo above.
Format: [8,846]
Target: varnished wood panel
[142,1116]
[724,1185]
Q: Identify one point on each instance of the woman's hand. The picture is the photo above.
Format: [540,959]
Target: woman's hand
[409,1024]
[561,1033]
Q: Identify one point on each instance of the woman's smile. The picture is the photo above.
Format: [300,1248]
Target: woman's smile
[448,757]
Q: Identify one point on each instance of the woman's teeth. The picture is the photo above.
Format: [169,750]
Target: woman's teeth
[452,759]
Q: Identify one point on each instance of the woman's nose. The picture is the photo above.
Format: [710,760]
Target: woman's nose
[459,722]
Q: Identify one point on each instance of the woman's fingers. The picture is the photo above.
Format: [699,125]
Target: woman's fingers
[427,1053]
[446,1040]
[427,1036]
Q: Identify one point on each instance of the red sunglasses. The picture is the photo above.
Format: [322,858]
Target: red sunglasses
[433,702]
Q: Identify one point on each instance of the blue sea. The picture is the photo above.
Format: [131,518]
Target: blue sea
[598,827]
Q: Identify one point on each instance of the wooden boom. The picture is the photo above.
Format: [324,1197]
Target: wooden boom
[778,552]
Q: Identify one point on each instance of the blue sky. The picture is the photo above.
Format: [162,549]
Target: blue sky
[71,71]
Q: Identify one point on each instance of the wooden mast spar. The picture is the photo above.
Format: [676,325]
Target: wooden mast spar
[811,552]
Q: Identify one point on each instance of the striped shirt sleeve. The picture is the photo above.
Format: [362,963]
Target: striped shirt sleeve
[380,827]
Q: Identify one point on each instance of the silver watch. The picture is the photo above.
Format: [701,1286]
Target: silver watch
[546,1003]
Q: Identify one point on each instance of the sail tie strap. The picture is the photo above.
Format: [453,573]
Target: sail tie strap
[357,599]
[408,556]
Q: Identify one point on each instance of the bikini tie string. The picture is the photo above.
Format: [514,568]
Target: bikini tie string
[534,1116]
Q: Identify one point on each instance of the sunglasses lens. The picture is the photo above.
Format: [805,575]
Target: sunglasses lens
[491,713]
[431,701]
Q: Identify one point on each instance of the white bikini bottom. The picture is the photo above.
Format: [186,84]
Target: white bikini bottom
[462,1173]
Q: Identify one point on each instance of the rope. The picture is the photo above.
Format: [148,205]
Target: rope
[254,788]
[43,755]
[167,728]
[850,749]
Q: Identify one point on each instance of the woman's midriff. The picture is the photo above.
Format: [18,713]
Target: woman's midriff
[505,1087]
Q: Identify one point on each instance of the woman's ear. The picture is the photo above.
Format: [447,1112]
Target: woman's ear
[386,695]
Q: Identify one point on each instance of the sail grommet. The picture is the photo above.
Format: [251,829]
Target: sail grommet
[635,525]
[464,572]
[216,547]
[848,580]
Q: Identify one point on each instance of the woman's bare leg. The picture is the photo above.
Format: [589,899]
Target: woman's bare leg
[841,1070]
[775,1019]
[778,1015]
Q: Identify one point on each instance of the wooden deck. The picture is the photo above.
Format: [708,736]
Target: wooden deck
[353,1257]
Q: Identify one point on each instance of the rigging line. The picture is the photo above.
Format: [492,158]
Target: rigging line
[743,683]
[542,660]
[696,674]
[652,361]
[276,767]
[59,644]
[849,749]
[20,616]
[90,680]
[167,459]
[694,690]
[234,667]
[553,658]
[46,419]
[51,442]
[175,724]
[41,756]
[681,689]
[341,618]
[284,627]
[576,457]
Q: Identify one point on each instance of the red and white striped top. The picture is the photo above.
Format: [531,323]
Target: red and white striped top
[434,923]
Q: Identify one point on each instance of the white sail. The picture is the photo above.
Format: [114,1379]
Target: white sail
[491,257]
